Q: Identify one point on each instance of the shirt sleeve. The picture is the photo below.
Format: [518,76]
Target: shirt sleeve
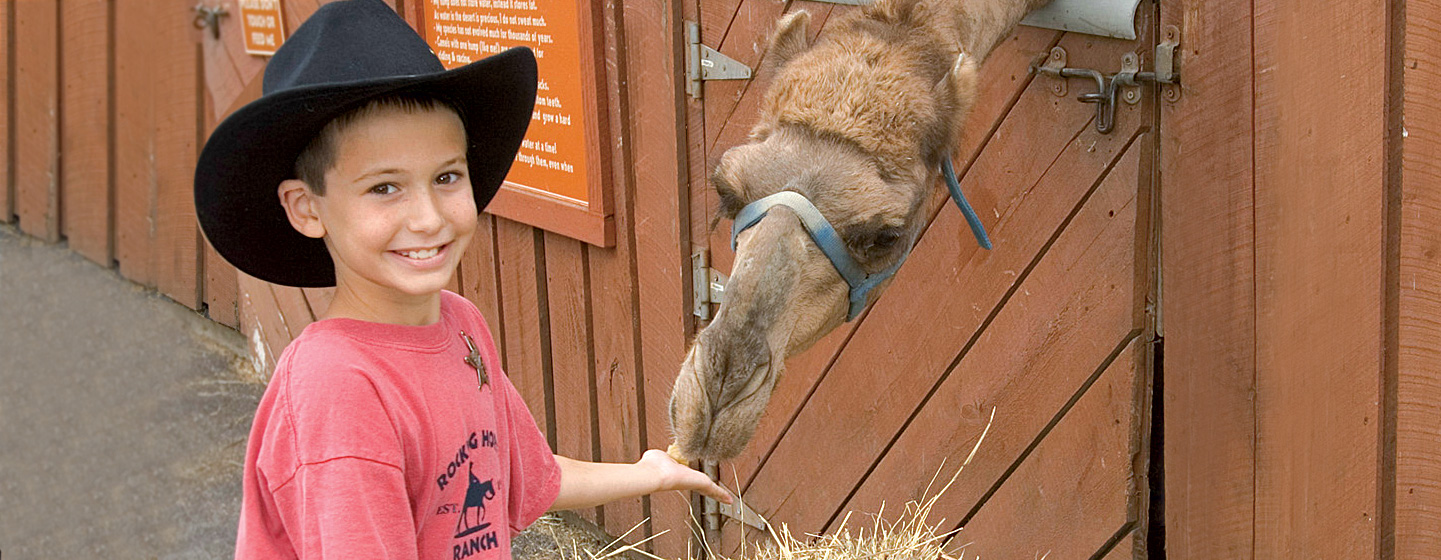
[534,473]
[334,470]
[349,508]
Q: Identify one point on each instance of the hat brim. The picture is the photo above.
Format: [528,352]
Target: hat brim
[254,150]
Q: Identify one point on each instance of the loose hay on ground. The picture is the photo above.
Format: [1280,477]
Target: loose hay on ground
[911,537]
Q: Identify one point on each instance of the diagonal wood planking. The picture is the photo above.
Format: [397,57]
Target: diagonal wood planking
[1003,80]
[1070,496]
[1041,128]
[1051,334]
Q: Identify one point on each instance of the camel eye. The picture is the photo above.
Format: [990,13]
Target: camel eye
[730,203]
[886,239]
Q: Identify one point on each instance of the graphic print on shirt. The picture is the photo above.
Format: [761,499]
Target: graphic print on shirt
[472,525]
[475,497]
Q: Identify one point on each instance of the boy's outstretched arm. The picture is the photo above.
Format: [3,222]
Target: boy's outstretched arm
[585,484]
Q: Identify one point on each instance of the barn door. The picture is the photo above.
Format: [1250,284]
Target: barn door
[1051,331]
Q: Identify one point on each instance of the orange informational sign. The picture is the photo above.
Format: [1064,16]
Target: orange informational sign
[262,25]
[552,160]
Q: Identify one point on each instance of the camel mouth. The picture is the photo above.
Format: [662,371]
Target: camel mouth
[712,422]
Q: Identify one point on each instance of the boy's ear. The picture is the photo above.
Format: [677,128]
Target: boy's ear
[299,203]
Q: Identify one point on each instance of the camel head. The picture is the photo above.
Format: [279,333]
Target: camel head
[858,123]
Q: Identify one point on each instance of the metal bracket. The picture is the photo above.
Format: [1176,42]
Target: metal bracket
[1130,78]
[704,63]
[738,511]
[708,285]
[207,17]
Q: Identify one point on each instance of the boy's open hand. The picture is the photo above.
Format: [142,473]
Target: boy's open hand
[675,476]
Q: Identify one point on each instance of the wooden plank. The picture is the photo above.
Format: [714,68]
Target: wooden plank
[319,300]
[1070,495]
[1320,257]
[1033,173]
[85,135]
[178,82]
[222,289]
[297,11]
[480,278]
[1051,337]
[1207,237]
[248,68]
[223,81]
[37,119]
[572,360]
[7,90]
[522,315]
[1418,442]
[661,231]
[614,319]
[135,184]
[263,327]
[293,308]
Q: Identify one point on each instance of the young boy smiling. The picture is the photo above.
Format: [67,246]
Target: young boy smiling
[388,429]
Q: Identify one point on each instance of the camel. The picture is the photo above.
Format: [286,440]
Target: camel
[858,125]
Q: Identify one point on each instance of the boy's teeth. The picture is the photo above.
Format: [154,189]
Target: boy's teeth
[422,254]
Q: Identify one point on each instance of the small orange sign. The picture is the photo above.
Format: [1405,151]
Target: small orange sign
[262,25]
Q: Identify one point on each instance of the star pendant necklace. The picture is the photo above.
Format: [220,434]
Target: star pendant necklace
[473,360]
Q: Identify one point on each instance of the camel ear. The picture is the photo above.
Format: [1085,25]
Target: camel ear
[790,38]
[961,83]
[958,89]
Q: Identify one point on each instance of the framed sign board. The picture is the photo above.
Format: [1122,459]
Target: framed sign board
[560,177]
[263,26]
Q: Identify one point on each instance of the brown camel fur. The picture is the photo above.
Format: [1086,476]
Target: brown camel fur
[858,123]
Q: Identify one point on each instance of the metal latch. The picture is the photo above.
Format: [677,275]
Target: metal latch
[708,285]
[738,510]
[1130,78]
[704,63]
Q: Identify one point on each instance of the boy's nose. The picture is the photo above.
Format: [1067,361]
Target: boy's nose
[425,213]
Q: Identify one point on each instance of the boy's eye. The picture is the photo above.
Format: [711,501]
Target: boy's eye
[384,188]
[448,178]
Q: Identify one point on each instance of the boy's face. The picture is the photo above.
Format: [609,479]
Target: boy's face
[398,211]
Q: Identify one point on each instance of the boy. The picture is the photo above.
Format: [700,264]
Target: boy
[388,429]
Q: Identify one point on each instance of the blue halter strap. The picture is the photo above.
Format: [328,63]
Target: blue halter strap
[954,186]
[825,237]
[830,242]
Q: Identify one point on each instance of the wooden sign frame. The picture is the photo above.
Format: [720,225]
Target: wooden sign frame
[594,222]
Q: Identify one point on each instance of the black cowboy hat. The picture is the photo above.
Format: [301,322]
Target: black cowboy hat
[346,54]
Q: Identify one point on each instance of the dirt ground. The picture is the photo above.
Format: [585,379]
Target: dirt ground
[123,419]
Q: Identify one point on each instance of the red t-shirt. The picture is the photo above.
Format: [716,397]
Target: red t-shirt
[373,441]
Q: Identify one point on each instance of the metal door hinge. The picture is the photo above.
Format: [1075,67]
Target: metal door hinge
[708,286]
[1124,84]
[704,63]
